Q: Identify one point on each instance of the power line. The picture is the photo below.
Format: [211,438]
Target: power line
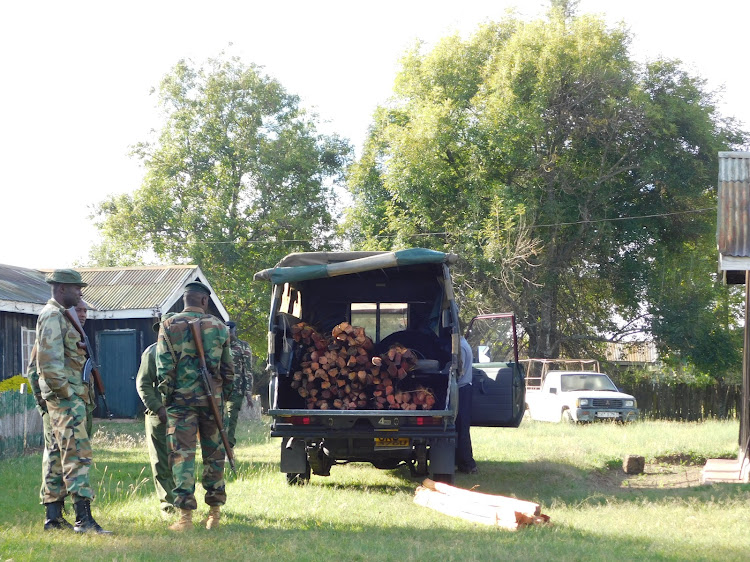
[424,234]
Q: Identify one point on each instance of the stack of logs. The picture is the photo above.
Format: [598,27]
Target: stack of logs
[340,372]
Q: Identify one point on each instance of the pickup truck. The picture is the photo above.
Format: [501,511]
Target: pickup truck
[576,395]
[399,298]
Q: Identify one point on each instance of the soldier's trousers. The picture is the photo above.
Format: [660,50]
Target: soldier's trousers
[68,458]
[156,439]
[51,463]
[232,414]
[183,425]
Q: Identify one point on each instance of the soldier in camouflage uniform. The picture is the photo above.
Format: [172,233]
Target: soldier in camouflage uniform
[156,425]
[243,382]
[60,363]
[188,410]
[51,462]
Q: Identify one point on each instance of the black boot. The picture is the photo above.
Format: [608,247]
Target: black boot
[54,517]
[84,521]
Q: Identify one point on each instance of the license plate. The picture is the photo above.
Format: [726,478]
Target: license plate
[391,442]
[607,415]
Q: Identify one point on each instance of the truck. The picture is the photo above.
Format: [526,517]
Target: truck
[574,391]
[403,298]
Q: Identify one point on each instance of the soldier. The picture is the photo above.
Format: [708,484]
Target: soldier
[60,363]
[243,382]
[156,425]
[188,410]
[51,465]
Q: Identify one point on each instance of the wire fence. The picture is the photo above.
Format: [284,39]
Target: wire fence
[20,424]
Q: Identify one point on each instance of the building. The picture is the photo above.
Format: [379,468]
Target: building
[124,301]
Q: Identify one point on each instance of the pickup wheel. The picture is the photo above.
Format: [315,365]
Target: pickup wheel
[294,479]
[567,417]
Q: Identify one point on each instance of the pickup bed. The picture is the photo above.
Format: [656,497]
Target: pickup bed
[400,298]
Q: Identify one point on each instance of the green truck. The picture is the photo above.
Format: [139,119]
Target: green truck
[400,300]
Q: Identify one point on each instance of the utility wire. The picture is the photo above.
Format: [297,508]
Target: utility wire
[422,234]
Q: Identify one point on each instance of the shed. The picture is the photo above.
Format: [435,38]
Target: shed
[23,293]
[733,244]
[124,301]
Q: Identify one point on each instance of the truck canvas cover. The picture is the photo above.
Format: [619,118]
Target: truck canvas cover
[319,265]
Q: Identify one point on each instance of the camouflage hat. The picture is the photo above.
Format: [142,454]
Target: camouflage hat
[197,287]
[65,277]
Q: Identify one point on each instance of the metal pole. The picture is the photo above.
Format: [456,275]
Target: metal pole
[745,406]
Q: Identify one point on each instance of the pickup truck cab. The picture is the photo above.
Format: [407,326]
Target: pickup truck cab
[578,396]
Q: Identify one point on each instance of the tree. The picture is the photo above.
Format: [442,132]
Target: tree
[237,178]
[559,168]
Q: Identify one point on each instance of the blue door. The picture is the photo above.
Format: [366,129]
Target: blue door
[118,364]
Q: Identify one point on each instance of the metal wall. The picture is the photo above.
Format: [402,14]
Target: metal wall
[10,341]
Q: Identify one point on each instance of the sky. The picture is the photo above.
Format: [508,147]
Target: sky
[77,79]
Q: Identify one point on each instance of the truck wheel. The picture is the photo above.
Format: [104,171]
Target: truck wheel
[294,479]
[447,478]
[567,417]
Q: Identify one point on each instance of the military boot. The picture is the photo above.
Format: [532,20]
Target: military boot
[85,522]
[214,514]
[185,521]
[54,517]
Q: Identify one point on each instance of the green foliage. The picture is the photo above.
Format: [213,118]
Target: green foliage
[237,178]
[564,173]
[13,384]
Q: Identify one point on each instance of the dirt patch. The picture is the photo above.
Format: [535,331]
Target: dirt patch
[655,476]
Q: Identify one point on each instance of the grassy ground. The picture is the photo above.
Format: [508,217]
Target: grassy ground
[361,513]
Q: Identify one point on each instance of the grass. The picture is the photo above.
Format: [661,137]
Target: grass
[361,513]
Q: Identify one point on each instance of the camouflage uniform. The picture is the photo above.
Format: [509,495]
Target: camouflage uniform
[188,411]
[243,385]
[156,431]
[60,363]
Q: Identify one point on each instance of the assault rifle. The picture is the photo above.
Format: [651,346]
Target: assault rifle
[91,365]
[195,328]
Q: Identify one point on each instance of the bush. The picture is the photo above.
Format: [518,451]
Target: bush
[13,384]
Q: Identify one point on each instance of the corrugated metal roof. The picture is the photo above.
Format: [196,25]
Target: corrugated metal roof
[126,288]
[23,285]
[733,221]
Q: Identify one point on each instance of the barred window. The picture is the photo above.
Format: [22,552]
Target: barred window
[28,338]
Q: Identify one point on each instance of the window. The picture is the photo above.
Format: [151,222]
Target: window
[380,319]
[28,338]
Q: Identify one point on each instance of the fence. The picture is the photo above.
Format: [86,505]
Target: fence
[687,403]
[20,424]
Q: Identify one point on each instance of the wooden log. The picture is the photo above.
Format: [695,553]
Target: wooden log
[526,507]
[487,509]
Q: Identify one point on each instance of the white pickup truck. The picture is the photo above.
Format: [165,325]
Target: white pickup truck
[576,396]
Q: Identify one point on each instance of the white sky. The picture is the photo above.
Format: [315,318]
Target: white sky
[76,77]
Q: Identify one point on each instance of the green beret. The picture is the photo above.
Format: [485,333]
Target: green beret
[65,277]
[197,287]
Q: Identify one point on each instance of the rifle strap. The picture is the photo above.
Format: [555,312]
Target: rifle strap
[169,344]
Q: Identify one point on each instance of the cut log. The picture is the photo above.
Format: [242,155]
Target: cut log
[487,509]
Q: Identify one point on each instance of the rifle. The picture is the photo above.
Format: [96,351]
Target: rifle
[93,367]
[195,327]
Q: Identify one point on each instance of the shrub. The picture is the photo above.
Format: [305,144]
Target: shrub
[14,384]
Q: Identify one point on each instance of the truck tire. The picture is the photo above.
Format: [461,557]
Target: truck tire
[301,479]
[567,417]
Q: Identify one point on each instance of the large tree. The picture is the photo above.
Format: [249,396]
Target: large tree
[237,178]
[559,168]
